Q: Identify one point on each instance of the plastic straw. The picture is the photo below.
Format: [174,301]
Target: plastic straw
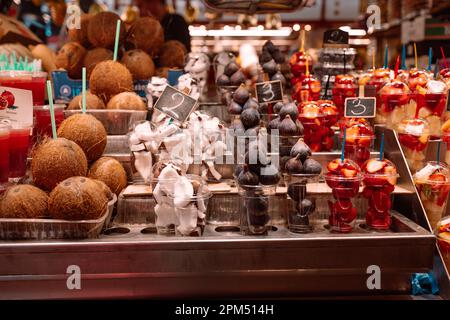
[386,57]
[404,57]
[438,153]
[415,56]
[343,145]
[52,108]
[345,66]
[430,58]
[83,90]
[327,85]
[307,65]
[116,43]
[382,146]
[397,64]
[444,58]
[302,40]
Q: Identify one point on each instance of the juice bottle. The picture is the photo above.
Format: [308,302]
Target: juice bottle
[42,121]
[18,150]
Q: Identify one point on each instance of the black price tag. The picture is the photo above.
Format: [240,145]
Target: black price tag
[360,107]
[335,36]
[269,91]
[176,104]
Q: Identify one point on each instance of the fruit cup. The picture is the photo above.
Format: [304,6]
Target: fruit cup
[317,119]
[433,185]
[307,90]
[359,139]
[378,79]
[430,104]
[395,102]
[379,180]
[344,87]
[42,121]
[4,153]
[18,150]
[446,139]
[300,216]
[298,66]
[442,233]
[27,80]
[413,135]
[344,178]
[444,75]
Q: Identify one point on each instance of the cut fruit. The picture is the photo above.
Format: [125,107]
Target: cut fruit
[349,173]
[333,166]
[438,177]
[375,165]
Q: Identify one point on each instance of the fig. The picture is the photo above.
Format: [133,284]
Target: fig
[274,124]
[247,178]
[289,109]
[300,128]
[278,57]
[301,149]
[263,108]
[231,69]
[269,175]
[234,108]
[223,80]
[265,57]
[284,160]
[294,165]
[277,107]
[269,47]
[237,78]
[241,95]
[250,118]
[311,166]
[296,191]
[251,103]
[270,67]
[279,76]
[305,207]
[287,127]
[257,205]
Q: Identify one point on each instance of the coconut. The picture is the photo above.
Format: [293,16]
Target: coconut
[55,160]
[173,54]
[146,34]
[80,35]
[127,101]
[102,30]
[92,102]
[86,131]
[110,78]
[77,198]
[162,72]
[139,63]
[23,201]
[111,172]
[70,57]
[95,56]
[106,190]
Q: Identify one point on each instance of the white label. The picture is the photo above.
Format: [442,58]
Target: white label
[16,105]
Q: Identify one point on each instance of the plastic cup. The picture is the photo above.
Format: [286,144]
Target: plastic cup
[359,141]
[43,123]
[446,139]
[298,66]
[414,135]
[5,130]
[395,103]
[379,180]
[344,180]
[18,150]
[256,208]
[307,90]
[442,233]
[301,215]
[344,87]
[433,185]
[34,81]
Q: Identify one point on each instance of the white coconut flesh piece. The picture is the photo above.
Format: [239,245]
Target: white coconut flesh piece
[167,179]
[143,164]
[187,219]
[183,192]
[213,170]
[165,215]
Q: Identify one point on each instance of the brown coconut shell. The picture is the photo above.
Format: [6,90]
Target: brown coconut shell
[23,201]
[106,190]
[55,160]
[162,72]
[92,102]
[102,30]
[77,198]
[139,63]
[173,54]
[95,56]
[111,172]
[70,57]
[147,34]
[86,131]
[127,101]
[110,78]
[81,35]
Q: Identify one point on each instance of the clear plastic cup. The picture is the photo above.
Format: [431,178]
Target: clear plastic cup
[5,130]
[344,87]
[28,80]
[307,90]
[414,135]
[18,150]
[395,102]
[442,232]
[301,216]
[433,185]
[360,137]
[297,63]
[344,179]
[43,123]
[446,139]
[379,180]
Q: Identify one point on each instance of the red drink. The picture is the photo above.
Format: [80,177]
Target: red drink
[34,81]
[18,151]
[4,152]
[343,178]
[344,87]
[43,123]
[379,178]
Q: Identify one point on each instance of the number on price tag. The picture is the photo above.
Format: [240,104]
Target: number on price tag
[176,104]
[269,91]
[360,107]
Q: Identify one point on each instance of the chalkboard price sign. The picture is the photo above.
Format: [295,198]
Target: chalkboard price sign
[360,107]
[335,36]
[176,104]
[269,91]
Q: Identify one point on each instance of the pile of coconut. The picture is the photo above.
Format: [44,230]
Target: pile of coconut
[71,179]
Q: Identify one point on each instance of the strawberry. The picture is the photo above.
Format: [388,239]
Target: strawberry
[333,165]
[374,165]
[348,173]
[438,177]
